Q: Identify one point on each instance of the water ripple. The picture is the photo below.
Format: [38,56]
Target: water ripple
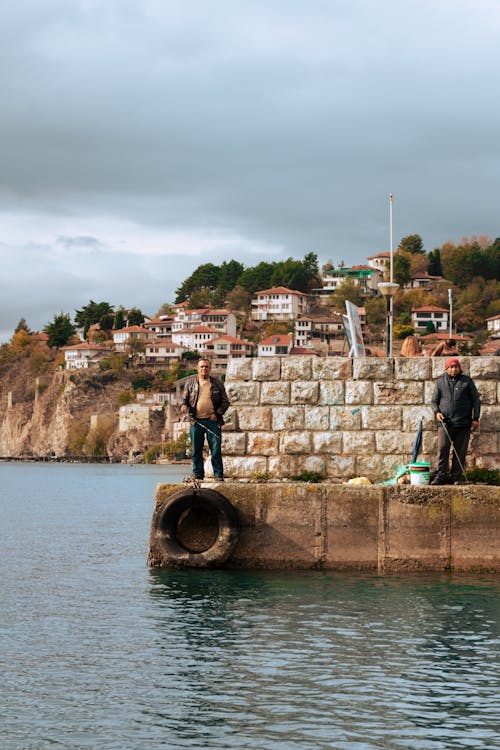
[99,652]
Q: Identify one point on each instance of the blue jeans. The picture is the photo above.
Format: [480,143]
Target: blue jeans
[197,433]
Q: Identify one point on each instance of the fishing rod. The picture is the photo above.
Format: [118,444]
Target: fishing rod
[464,473]
[195,421]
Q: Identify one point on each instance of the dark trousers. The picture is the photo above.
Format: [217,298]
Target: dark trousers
[460,438]
[197,433]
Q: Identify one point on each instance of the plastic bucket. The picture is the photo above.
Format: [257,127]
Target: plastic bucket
[420,472]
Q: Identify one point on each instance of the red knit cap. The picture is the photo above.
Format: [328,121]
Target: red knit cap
[452,361]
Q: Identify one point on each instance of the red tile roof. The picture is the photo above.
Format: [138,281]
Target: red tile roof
[429,308]
[279,339]
[280,290]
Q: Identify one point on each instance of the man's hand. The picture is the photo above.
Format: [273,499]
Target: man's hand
[440,417]
[475,424]
[184,409]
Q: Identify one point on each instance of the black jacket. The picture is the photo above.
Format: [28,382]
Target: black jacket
[459,403]
[217,394]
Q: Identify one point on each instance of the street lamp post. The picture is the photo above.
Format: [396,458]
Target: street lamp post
[388,288]
[450,301]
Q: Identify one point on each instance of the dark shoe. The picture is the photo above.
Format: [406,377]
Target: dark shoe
[438,480]
[219,479]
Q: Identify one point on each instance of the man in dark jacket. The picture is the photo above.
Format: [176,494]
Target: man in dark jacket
[457,408]
[206,401]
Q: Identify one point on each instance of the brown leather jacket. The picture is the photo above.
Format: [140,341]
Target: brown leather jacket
[217,394]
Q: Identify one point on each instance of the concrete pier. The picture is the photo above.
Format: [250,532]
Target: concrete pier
[336,526]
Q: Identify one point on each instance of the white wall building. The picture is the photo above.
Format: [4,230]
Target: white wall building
[123,337]
[316,331]
[222,321]
[493,324]
[276,345]
[196,338]
[82,356]
[278,303]
[421,316]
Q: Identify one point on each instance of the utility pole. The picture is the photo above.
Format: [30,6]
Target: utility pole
[450,302]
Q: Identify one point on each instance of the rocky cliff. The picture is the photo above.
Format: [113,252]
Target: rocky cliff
[48,411]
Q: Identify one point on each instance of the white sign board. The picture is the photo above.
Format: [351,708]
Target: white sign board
[353,331]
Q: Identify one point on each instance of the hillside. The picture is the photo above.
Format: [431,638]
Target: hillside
[47,411]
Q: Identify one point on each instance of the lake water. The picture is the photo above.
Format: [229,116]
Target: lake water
[98,651]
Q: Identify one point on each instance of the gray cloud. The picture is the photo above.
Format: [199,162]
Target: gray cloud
[263,129]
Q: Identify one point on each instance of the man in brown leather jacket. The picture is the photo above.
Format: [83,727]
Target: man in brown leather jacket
[206,401]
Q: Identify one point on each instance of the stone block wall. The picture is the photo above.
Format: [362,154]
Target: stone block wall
[344,417]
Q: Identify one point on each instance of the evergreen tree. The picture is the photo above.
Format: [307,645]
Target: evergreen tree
[206,275]
[60,330]
[22,326]
[401,269]
[257,278]
[119,321]
[135,317]
[92,313]
[412,244]
[434,268]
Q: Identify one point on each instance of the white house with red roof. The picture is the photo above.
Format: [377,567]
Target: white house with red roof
[316,331]
[194,338]
[379,261]
[223,321]
[122,337]
[279,303]
[162,351]
[161,326]
[221,350]
[82,356]
[279,344]
[421,316]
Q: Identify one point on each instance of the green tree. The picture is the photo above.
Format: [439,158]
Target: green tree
[119,321]
[135,317]
[206,275]
[257,278]
[412,244]
[401,269]
[311,266]
[229,273]
[60,330]
[490,264]
[106,322]
[92,313]
[347,291]
[22,326]
[200,298]
[463,264]
[291,274]
[434,268]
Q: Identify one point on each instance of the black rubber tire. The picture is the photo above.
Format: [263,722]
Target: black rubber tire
[166,523]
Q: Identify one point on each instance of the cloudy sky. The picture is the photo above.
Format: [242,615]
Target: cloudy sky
[140,138]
